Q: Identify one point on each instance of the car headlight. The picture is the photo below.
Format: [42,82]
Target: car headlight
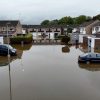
[14,51]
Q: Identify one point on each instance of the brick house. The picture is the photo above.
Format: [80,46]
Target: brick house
[39,29]
[86,29]
[14,27]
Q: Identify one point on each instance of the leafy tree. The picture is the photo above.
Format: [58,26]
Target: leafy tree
[97,17]
[45,22]
[88,18]
[63,21]
[80,19]
[70,20]
[69,30]
[54,22]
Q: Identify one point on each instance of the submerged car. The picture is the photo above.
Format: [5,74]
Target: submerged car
[4,50]
[89,57]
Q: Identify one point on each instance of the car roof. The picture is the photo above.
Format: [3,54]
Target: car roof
[85,54]
[3,44]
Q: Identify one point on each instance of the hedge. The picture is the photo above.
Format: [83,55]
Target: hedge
[28,38]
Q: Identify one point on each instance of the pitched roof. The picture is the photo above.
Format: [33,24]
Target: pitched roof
[86,23]
[9,22]
[97,24]
[48,26]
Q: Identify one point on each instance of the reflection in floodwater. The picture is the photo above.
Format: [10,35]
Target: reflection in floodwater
[9,78]
[4,61]
[85,49]
[65,49]
[77,46]
[90,67]
[23,47]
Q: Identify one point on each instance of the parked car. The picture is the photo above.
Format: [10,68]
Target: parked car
[89,57]
[4,50]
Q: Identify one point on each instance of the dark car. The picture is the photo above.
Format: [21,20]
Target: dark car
[89,57]
[4,50]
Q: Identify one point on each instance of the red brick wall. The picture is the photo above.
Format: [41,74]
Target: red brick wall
[85,41]
[97,44]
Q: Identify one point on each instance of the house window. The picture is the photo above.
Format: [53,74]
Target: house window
[11,28]
[3,29]
[96,29]
[83,29]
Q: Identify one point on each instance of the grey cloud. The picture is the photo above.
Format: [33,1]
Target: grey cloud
[34,11]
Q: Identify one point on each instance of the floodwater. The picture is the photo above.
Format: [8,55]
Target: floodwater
[49,72]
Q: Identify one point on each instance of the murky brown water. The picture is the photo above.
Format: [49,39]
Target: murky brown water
[48,73]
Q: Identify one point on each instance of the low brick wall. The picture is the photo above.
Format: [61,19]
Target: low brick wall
[85,41]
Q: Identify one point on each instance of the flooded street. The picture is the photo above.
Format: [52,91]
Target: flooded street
[48,72]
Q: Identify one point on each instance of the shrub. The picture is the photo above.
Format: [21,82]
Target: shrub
[60,36]
[65,39]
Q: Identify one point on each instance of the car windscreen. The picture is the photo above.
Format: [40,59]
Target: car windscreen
[84,55]
[10,47]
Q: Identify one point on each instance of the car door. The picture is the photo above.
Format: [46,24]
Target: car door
[4,49]
[0,49]
[89,57]
[98,57]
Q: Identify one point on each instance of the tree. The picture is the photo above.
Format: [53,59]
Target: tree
[97,17]
[54,22]
[70,20]
[63,21]
[80,19]
[69,30]
[45,22]
[88,18]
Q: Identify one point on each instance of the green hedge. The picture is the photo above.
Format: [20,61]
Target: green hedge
[28,38]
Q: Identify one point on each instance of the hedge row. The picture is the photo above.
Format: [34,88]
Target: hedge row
[28,38]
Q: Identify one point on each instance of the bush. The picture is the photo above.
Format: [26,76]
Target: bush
[65,39]
[60,36]
[28,38]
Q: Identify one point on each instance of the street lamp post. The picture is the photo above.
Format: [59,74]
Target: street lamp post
[8,38]
[9,60]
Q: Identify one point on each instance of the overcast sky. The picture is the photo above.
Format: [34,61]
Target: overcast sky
[35,11]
